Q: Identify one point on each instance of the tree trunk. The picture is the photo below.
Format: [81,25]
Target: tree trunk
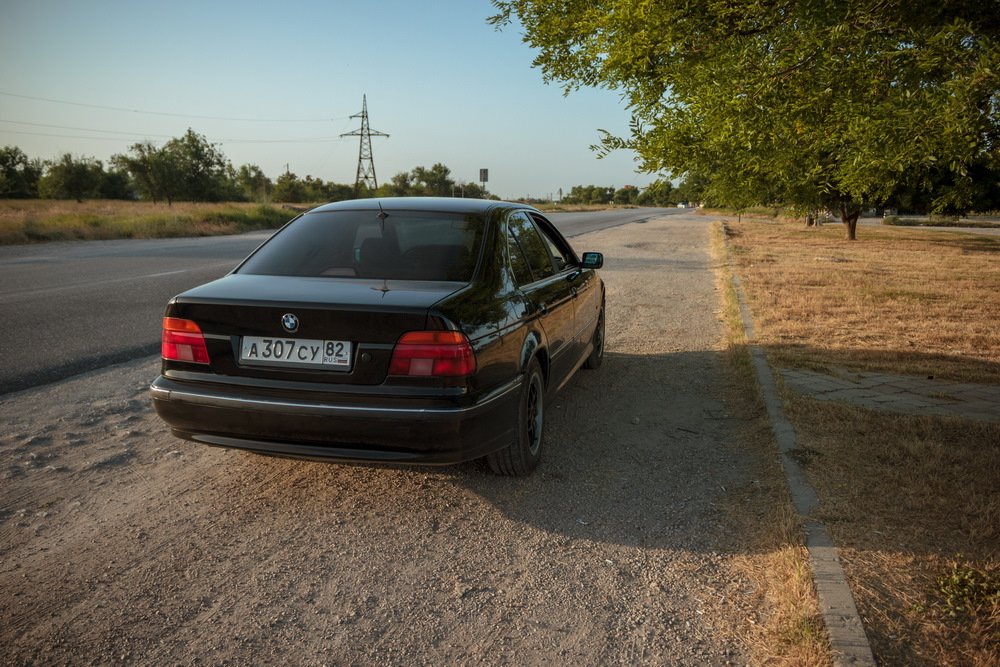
[850,219]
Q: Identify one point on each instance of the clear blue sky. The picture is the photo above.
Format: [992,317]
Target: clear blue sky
[275,83]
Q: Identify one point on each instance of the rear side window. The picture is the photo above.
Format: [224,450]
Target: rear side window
[533,248]
[402,245]
[518,262]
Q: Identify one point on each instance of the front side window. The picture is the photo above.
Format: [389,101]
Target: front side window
[403,245]
[560,256]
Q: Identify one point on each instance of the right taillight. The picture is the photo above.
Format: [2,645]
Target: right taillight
[183,341]
[433,354]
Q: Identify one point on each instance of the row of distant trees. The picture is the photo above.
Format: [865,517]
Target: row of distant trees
[659,193]
[190,168]
[187,168]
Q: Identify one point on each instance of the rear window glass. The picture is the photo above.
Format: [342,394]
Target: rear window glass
[404,245]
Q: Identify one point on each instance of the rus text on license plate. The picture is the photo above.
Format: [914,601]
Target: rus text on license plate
[296,353]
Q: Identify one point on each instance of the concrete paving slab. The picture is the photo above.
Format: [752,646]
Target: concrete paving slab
[900,393]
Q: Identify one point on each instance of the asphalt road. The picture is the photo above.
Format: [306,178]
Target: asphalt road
[68,308]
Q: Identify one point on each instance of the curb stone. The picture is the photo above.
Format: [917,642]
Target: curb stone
[848,641]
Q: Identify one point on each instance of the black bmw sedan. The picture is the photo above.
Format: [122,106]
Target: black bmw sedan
[406,330]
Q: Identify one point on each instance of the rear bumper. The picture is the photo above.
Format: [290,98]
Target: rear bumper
[396,430]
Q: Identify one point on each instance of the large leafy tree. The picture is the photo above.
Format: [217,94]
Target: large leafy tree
[184,168]
[433,182]
[590,194]
[18,175]
[252,183]
[205,173]
[814,103]
[288,188]
[400,185]
[72,177]
[155,171]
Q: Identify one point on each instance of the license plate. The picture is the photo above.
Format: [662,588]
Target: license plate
[296,353]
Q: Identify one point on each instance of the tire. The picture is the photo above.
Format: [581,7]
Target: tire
[521,457]
[597,354]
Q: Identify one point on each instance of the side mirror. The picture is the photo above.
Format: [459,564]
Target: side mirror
[592,260]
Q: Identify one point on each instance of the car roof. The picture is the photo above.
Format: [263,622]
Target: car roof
[443,204]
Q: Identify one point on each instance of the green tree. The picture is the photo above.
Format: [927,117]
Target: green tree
[339,191]
[627,196]
[400,185]
[71,178]
[155,171]
[288,188]
[19,176]
[116,184]
[589,194]
[576,195]
[205,173]
[693,188]
[984,192]
[433,182]
[659,193]
[470,190]
[252,183]
[832,103]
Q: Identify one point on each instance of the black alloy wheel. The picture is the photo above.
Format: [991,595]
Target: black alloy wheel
[522,456]
[597,353]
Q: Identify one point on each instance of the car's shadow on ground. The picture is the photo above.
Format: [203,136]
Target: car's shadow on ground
[636,452]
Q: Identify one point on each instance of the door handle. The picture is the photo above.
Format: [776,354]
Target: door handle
[543,309]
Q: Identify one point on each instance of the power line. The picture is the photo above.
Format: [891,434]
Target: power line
[61,136]
[147,135]
[174,115]
[79,129]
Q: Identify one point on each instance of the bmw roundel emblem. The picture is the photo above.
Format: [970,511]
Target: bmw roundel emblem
[290,322]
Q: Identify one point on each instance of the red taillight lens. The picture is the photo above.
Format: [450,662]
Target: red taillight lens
[433,354]
[183,341]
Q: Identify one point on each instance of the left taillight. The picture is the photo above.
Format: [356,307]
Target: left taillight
[433,354]
[183,341]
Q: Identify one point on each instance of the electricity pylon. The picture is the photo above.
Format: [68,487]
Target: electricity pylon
[366,166]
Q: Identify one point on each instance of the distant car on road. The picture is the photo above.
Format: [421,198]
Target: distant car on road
[405,330]
[682,205]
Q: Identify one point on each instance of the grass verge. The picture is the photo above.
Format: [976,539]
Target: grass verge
[38,221]
[789,630]
[932,221]
[911,501]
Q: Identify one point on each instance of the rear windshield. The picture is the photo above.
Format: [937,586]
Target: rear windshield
[403,245]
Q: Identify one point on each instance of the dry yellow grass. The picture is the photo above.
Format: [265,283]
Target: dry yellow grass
[789,630]
[912,502]
[914,301]
[39,220]
[907,498]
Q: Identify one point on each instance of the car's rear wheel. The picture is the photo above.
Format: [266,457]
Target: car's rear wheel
[597,352]
[522,455]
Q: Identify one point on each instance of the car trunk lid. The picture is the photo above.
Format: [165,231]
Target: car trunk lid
[270,327]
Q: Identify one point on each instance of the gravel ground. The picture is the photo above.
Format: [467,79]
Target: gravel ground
[120,544]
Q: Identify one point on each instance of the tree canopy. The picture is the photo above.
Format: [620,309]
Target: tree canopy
[18,174]
[433,182]
[71,178]
[813,103]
